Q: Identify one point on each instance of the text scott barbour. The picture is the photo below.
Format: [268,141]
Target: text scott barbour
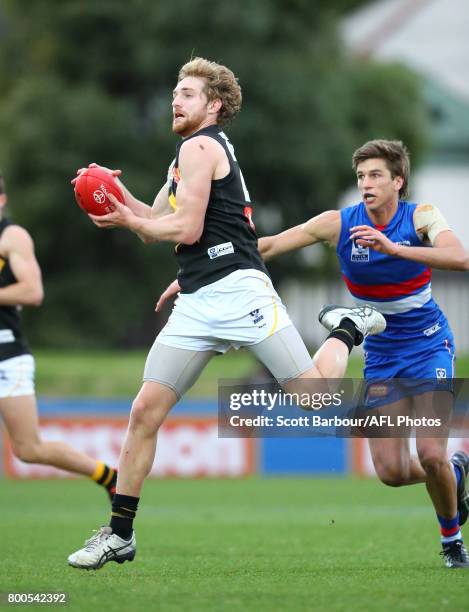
[316,420]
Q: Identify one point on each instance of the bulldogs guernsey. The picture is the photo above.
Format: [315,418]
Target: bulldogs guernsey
[400,289]
[229,240]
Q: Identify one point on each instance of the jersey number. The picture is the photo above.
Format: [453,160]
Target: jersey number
[232,153]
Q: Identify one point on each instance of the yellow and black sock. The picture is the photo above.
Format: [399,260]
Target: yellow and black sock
[106,477]
[124,509]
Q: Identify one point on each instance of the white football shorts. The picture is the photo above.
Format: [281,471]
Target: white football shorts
[17,376]
[241,309]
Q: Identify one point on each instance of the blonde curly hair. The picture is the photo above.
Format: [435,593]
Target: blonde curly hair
[220,82]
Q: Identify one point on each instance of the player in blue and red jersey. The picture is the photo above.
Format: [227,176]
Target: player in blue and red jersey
[382,245]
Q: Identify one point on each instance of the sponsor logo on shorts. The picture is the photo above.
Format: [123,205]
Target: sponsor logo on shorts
[441,373]
[359,253]
[431,330]
[256,317]
[377,390]
[220,249]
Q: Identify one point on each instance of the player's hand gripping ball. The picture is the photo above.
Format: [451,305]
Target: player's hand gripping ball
[92,187]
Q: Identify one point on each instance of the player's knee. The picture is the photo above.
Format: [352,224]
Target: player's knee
[391,476]
[27,452]
[432,461]
[144,417]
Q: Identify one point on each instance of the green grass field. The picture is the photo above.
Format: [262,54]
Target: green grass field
[119,374]
[240,545]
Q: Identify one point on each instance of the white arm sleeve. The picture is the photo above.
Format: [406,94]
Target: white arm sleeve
[429,222]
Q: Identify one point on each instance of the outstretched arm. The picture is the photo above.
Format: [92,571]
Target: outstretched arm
[445,253]
[322,228]
[17,246]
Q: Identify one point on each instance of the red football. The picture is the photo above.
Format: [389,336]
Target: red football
[91,190]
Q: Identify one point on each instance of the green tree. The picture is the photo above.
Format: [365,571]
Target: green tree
[85,81]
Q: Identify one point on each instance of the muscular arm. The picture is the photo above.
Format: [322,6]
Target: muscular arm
[322,228]
[447,253]
[16,245]
[199,158]
[196,166]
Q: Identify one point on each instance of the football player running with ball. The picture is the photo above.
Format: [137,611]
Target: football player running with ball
[383,248]
[21,285]
[204,207]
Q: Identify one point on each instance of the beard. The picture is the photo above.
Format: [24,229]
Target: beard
[186,126]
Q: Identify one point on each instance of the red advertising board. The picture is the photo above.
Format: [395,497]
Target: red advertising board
[187,447]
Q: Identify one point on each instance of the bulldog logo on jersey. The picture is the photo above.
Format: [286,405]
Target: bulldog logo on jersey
[359,253]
